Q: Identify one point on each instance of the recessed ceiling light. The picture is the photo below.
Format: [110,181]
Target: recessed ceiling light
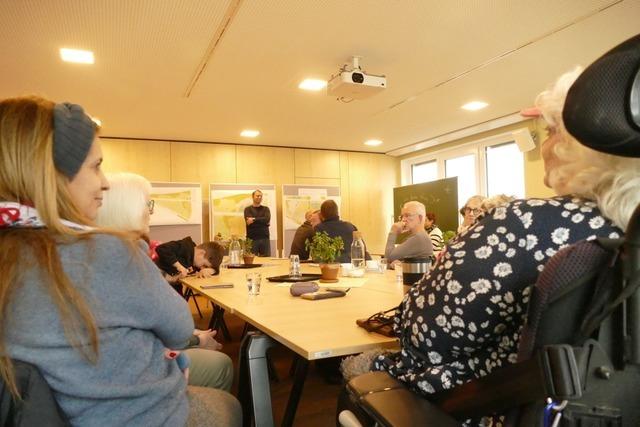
[250,133]
[77,56]
[312,84]
[373,142]
[474,105]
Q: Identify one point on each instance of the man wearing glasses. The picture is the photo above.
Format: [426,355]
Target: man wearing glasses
[418,244]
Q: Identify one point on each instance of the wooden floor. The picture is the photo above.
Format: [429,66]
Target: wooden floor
[317,406]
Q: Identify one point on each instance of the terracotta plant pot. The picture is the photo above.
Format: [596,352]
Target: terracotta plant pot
[330,271]
[248,259]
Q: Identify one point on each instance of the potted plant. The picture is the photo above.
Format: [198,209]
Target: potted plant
[324,250]
[247,254]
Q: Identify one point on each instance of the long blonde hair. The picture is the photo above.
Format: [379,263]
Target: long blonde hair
[612,181]
[28,175]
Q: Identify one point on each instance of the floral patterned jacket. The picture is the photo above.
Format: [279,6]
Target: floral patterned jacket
[463,319]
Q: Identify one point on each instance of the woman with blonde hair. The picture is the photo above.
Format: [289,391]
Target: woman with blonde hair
[464,318]
[127,206]
[86,307]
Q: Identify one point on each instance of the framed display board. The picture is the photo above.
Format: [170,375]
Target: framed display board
[298,199]
[227,203]
[177,211]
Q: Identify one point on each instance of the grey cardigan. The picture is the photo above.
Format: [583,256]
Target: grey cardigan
[137,314]
[417,245]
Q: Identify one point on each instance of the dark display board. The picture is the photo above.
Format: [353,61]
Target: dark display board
[439,197]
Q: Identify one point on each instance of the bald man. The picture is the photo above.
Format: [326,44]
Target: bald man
[418,244]
[304,232]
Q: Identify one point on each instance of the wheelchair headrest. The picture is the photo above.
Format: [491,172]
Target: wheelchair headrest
[602,109]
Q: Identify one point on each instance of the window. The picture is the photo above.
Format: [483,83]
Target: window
[505,170]
[489,167]
[424,172]
[464,167]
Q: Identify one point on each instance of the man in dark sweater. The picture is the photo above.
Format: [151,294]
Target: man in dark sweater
[304,232]
[258,218]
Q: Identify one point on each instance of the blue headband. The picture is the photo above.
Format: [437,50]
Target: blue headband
[73,134]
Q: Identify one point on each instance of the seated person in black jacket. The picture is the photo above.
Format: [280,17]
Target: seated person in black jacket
[334,226]
[178,258]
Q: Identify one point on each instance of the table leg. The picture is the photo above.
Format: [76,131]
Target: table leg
[254,391]
[217,321]
[301,368]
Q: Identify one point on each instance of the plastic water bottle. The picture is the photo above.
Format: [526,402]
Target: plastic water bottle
[235,251]
[357,255]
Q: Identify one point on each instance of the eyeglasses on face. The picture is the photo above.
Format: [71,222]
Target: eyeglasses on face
[150,205]
[406,215]
[474,211]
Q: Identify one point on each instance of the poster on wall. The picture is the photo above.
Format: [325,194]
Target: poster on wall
[296,201]
[177,211]
[227,203]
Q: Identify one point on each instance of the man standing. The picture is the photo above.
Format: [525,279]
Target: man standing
[258,218]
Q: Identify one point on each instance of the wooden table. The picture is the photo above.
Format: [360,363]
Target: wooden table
[312,329]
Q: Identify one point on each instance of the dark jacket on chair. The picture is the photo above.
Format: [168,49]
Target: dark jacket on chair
[37,406]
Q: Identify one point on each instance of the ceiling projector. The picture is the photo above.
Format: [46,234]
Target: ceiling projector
[353,84]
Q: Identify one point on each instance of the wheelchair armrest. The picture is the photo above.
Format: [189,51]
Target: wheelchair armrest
[390,403]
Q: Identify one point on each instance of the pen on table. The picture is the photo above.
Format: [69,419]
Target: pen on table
[220,286]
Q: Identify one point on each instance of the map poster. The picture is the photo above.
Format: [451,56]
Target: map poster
[176,203]
[227,203]
[298,199]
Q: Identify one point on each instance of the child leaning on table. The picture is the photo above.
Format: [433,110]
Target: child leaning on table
[178,258]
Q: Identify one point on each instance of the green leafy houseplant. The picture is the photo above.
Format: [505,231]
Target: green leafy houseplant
[324,249]
[448,235]
[247,247]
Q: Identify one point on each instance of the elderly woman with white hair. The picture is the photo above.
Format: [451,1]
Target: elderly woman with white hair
[464,318]
[127,206]
[418,244]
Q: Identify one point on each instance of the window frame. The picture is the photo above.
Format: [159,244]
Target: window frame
[477,148]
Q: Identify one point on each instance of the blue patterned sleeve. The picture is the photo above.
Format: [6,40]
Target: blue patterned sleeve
[463,319]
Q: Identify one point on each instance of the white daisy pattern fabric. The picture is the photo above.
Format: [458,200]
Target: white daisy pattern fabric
[463,319]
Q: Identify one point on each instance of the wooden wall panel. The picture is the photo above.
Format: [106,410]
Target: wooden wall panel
[366,181]
[317,163]
[318,181]
[150,159]
[206,164]
[371,181]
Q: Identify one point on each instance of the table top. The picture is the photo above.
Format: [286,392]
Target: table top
[314,329]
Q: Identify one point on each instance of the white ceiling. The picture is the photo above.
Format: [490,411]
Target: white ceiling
[437,55]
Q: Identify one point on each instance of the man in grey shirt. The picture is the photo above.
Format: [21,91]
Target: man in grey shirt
[418,244]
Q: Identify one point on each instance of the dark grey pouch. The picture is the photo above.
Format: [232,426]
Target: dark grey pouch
[300,288]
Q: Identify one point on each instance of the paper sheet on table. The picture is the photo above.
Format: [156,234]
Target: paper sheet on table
[345,282]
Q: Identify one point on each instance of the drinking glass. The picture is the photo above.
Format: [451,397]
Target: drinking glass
[294,266]
[253,283]
[382,266]
[398,269]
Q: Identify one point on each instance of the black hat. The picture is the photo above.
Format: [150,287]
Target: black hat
[602,109]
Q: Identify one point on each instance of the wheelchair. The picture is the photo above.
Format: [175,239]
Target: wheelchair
[579,352]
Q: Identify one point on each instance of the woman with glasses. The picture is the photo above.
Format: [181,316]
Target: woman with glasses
[470,212]
[418,244]
[127,206]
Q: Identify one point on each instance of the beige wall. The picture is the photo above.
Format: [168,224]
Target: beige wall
[533,166]
[366,180]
